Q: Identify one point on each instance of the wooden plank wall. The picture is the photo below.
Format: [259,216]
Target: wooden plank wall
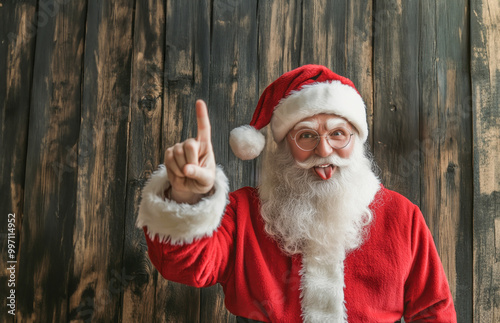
[485,74]
[93,92]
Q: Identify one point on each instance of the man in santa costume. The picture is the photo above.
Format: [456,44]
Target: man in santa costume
[319,240]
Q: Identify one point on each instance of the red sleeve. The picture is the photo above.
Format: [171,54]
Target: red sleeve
[427,294]
[204,262]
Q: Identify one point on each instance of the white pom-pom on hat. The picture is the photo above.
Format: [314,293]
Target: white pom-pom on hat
[246,142]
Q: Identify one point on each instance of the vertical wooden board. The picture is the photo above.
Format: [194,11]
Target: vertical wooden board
[233,97]
[233,81]
[485,65]
[359,53]
[49,205]
[324,34]
[98,275]
[396,105]
[213,308]
[445,142]
[176,302]
[144,155]
[17,45]
[186,78]
[279,25]
[187,59]
[427,147]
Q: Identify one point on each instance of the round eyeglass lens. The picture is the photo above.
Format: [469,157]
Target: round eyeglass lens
[339,138]
[307,139]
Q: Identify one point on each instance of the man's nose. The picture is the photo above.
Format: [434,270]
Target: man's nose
[323,149]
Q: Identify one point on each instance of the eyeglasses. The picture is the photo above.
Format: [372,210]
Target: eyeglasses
[308,139]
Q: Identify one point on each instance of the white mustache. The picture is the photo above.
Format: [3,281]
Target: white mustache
[316,161]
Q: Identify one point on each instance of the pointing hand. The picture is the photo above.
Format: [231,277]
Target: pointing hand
[191,164]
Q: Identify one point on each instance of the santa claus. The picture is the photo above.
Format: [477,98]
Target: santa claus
[319,240]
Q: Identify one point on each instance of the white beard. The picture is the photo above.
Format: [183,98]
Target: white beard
[322,220]
[307,214]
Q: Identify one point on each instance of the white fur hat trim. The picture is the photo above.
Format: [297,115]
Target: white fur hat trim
[326,97]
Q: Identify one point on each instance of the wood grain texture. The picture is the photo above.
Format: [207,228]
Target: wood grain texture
[17,45]
[359,53]
[233,80]
[279,39]
[396,105]
[428,157]
[485,71]
[98,274]
[323,36]
[51,176]
[144,154]
[444,145]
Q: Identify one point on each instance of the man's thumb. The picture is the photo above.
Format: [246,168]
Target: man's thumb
[197,173]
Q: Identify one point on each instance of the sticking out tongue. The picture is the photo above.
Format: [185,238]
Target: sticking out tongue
[324,172]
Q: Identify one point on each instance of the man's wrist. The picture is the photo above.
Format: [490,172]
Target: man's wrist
[185,197]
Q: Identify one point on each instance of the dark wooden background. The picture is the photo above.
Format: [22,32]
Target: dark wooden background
[92,92]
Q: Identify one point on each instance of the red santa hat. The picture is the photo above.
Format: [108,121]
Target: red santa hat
[296,95]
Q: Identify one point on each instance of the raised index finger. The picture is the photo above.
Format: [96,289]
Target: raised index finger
[203,122]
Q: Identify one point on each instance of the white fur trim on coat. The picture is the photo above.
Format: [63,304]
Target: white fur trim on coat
[181,223]
[326,97]
[322,290]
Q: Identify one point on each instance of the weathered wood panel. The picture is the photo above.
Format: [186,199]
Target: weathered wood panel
[323,36]
[359,53]
[485,65]
[444,145]
[279,39]
[396,105]
[144,154]
[17,44]
[50,197]
[98,275]
[233,80]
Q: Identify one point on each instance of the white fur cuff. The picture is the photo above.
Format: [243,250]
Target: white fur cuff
[180,223]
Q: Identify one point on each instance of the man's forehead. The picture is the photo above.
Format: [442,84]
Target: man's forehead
[314,122]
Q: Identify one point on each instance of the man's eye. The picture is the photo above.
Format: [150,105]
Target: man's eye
[307,135]
[337,133]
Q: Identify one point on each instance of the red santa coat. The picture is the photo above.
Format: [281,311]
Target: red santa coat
[395,273]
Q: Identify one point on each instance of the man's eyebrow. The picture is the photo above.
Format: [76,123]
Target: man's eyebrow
[306,124]
[332,123]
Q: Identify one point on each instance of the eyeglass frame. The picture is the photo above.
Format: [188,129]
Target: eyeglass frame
[319,138]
